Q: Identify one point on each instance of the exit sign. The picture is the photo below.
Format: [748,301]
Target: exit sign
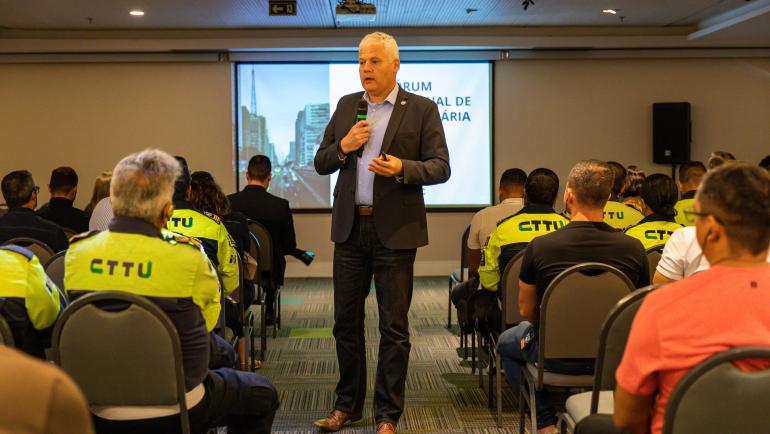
[282,8]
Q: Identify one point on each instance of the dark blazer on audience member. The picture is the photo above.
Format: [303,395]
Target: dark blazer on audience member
[416,136]
[61,211]
[22,222]
[274,213]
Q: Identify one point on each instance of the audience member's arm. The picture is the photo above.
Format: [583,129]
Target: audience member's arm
[42,298]
[206,292]
[228,262]
[632,413]
[672,264]
[528,287]
[62,242]
[658,278]
[528,301]
[290,241]
[67,411]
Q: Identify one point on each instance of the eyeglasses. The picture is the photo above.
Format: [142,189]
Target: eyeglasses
[691,213]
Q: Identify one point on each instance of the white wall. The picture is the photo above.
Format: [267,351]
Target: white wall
[547,113]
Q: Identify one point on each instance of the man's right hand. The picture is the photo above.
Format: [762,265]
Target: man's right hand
[356,137]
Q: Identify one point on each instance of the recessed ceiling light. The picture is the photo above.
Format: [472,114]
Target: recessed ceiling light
[610,11]
[137,13]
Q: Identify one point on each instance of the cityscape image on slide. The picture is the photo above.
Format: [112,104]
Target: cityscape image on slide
[296,97]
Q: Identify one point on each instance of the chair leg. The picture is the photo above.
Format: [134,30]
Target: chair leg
[278,309]
[532,407]
[263,332]
[522,399]
[499,387]
[473,352]
[449,306]
[481,369]
[242,362]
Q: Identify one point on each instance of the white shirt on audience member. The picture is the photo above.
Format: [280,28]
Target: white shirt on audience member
[682,257]
[101,215]
[485,221]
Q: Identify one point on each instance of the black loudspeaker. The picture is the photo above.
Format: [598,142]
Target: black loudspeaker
[671,132]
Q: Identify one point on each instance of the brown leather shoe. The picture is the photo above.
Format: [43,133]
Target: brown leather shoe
[386,427]
[334,421]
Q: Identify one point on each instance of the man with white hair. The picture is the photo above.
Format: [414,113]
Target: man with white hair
[172,271]
[378,222]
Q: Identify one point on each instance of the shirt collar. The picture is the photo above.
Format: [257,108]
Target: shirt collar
[689,195]
[391,98]
[132,225]
[516,200]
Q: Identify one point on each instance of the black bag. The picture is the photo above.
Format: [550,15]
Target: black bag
[461,295]
[486,312]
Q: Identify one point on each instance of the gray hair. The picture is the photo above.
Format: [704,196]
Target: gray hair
[591,181]
[142,184]
[390,43]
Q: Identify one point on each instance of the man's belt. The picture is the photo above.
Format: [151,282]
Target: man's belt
[365,210]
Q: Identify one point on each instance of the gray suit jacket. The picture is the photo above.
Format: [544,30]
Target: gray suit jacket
[416,136]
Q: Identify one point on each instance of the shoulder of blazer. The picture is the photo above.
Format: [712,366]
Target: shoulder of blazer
[350,98]
[413,98]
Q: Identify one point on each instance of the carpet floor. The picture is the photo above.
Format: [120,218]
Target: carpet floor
[442,396]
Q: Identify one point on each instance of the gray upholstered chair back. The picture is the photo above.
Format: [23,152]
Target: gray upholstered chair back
[716,397]
[612,341]
[464,253]
[127,357]
[39,248]
[509,291]
[653,257]
[574,307]
[54,268]
[265,258]
[6,337]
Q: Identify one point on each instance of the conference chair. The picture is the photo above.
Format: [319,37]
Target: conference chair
[509,293]
[54,269]
[716,397]
[653,257]
[254,251]
[247,324]
[123,351]
[572,312]
[612,344]
[459,274]
[69,232]
[266,269]
[39,248]
[6,336]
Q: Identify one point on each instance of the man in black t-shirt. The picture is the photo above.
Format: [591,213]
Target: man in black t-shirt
[585,239]
[60,209]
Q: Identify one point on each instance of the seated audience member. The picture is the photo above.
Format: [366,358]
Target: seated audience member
[172,271]
[206,195]
[64,189]
[511,193]
[616,214]
[101,191]
[587,238]
[717,158]
[659,195]
[690,175]
[29,301]
[39,398]
[632,188]
[206,228]
[20,194]
[101,216]
[513,234]
[682,324]
[765,163]
[275,214]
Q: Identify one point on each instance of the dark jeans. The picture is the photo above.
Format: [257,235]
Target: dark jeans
[355,262]
[514,358]
[244,402]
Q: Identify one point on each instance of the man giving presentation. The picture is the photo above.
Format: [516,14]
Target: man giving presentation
[386,143]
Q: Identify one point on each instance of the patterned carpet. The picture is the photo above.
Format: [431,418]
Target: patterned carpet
[442,395]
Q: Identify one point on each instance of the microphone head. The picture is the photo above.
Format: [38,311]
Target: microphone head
[361,110]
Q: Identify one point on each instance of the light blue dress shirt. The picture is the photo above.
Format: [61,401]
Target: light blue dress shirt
[378,117]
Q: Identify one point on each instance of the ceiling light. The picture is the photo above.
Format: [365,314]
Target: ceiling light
[137,13]
[610,11]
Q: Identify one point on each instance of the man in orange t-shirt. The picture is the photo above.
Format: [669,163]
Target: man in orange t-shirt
[684,323]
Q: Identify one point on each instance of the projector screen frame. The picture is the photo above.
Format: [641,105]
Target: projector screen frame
[412,59]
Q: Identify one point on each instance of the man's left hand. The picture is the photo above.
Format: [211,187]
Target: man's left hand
[390,167]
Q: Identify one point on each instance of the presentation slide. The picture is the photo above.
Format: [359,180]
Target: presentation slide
[283,109]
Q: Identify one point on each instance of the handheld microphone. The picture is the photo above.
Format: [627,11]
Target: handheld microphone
[361,111]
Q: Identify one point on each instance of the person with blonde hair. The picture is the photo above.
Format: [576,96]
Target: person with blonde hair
[101,190]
